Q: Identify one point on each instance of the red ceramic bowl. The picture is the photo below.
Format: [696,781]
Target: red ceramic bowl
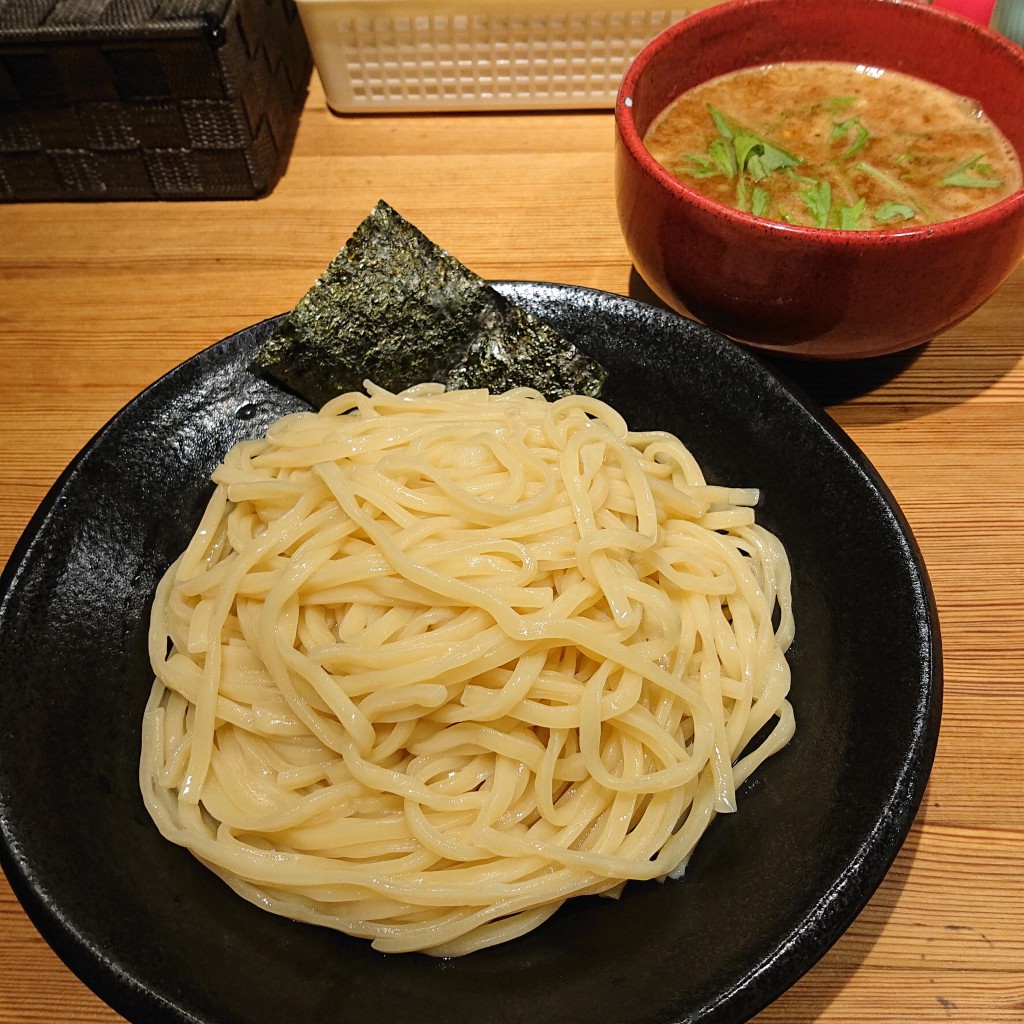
[806,292]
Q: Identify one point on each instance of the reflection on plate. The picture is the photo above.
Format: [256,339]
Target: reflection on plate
[766,893]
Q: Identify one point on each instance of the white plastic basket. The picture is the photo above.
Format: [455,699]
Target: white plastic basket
[415,55]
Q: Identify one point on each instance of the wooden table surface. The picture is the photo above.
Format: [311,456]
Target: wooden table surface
[98,300]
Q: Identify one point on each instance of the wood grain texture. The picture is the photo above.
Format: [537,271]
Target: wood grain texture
[97,301]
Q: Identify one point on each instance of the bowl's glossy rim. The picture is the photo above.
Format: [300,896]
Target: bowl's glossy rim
[629,136]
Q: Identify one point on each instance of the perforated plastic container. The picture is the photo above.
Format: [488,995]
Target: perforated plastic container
[407,55]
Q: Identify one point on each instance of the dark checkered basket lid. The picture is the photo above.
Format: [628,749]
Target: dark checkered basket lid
[148,99]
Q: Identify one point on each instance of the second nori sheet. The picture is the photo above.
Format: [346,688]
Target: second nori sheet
[397,309]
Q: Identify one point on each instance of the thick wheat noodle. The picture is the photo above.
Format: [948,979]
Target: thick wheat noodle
[435,662]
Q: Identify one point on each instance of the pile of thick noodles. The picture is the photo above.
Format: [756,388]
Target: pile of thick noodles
[441,660]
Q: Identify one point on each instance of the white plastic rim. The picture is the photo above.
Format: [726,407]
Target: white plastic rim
[382,55]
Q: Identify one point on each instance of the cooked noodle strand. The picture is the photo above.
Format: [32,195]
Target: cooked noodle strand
[439,661]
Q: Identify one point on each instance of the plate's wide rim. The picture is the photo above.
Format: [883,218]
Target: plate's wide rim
[779,968]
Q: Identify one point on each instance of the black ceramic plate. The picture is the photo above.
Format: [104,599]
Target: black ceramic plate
[768,890]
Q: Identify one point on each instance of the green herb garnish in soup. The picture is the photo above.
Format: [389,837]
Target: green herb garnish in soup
[831,145]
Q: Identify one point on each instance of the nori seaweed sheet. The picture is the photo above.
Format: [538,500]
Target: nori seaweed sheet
[397,309]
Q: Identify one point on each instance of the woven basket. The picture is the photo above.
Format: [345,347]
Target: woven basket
[148,99]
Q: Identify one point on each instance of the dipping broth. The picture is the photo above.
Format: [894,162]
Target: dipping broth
[834,145]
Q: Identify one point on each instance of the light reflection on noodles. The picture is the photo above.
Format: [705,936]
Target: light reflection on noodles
[441,660]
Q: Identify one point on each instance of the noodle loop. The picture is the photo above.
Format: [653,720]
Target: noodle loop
[440,661]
